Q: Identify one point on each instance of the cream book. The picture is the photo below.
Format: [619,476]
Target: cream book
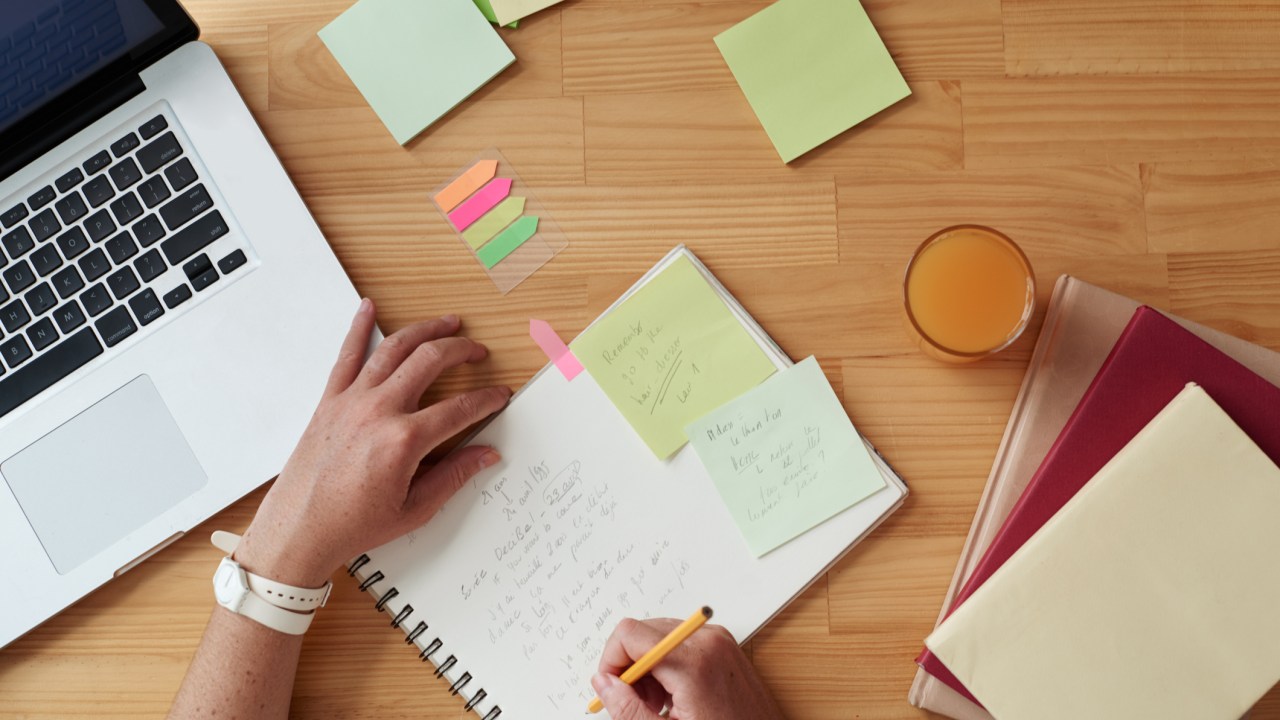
[1155,592]
[513,588]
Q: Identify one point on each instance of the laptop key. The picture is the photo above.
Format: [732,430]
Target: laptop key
[14,316]
[72,178]
[125,173]
[153,191]
[18,242]
[181,174]
[121,147]
[41,197]
[115,326]
[177,296]
[123,282]
[148,230]
[121,248]
[19,277]
[126,209]
[42,334]
[96,299]
[194,238]
[100,225]
[60,361]
[41,299]
[153,126]
[71,208]
[14,215]
[146,306]
[73,243]
[69,317]
[150,266]
[186,206]
[197,265]
[15,352]
[98,190]
[204,280]
[44,225]
[68,282]
[94,265]
[46,259]
[159,152]
[97,163]
[232,262]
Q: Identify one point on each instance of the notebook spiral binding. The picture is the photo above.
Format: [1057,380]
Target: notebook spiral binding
[411,636]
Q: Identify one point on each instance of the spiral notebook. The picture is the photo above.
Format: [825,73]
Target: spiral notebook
[512,589]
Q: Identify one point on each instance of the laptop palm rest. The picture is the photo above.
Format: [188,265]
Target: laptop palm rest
[103,474]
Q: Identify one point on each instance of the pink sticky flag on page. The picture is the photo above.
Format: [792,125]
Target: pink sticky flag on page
[480,203]
[551,344]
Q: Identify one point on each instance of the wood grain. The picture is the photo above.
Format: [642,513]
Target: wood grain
[1133,144]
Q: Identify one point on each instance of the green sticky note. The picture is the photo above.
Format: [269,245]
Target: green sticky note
[785,457]
[811,69]
[413,60]
[487,8]
[483,230]
[508,241]
[671,353]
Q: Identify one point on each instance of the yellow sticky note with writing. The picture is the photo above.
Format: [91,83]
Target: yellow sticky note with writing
[670,354]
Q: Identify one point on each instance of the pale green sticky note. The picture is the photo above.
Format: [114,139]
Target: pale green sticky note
[415,60]
[811,69]
[671,353]
[483,230]
[785,457]
[508,241]
[487,8]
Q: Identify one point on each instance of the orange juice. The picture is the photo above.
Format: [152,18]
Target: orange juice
[969,292]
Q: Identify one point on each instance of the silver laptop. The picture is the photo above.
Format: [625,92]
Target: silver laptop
[168,308]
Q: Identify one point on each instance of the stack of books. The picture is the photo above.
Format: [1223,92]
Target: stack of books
[1123,560]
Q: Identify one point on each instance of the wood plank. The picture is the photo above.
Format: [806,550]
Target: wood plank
[1236,292]
[713,134]
[1028,122]
[1077,37]
[941,39]
[1219,205]
[891,586]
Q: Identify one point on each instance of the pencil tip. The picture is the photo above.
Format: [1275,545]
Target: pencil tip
[706,612]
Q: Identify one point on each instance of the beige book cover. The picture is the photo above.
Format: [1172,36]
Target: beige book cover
[1155,592]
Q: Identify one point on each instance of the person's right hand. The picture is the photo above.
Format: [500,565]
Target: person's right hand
[706,678]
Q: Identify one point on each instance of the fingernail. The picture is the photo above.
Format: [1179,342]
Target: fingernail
[490,459]
[451,319]
[365,306]
[600,682]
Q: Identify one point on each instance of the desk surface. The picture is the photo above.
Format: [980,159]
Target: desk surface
[1135,146]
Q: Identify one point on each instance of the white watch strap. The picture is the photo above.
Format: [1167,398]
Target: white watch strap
[275,593]
[276,618]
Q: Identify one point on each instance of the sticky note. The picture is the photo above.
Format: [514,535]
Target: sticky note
[811,69]
[487,9]
[671,353]
[507,11]
[468,182]
[480,203]
[784,456]
[508,241]
[559,354]
[498,218]
[414,61]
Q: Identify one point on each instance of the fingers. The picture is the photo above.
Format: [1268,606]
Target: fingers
[621,700]
[432,489]
[351,356]
[630,640]
[453,415]
[396,348]
[427,361]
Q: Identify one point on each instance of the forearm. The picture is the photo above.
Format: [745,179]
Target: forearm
[241,670]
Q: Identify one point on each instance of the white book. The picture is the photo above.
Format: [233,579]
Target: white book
[513,588]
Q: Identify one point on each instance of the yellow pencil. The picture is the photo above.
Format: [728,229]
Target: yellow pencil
[658,652]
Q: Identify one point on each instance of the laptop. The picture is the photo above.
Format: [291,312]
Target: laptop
[169,310]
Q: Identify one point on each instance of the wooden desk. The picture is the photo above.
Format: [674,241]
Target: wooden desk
[1135,145]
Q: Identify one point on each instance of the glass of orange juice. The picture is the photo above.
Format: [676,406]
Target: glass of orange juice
[969,293]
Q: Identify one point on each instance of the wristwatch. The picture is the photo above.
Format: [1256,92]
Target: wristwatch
[281,607]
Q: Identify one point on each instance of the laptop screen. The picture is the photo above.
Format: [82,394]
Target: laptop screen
[56,54]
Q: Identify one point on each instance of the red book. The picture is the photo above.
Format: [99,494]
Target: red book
[1150,364]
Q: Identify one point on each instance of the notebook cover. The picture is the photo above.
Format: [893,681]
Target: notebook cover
[1082,323]
[1143,619]
[1150,364]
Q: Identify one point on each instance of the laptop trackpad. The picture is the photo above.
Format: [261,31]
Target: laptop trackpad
[103,474]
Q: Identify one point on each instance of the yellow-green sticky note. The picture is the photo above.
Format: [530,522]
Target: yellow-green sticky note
[811,69]
[487,8]
[784,456]
[508,241]
[670,354]
[483,230]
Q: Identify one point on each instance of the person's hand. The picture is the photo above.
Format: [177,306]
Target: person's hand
[355,480]
[706,678]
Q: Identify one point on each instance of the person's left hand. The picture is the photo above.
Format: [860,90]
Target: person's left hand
[355,480]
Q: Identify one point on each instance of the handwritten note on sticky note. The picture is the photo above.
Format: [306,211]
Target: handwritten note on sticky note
[671,353]
[785,456]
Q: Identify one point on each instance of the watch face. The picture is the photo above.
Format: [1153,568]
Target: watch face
[229,585]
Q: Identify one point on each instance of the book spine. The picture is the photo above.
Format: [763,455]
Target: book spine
[368,578]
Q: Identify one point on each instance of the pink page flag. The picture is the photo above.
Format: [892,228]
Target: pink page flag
[551,344]
[480,203]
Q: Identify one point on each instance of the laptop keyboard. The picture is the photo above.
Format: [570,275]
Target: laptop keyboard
[101,253]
